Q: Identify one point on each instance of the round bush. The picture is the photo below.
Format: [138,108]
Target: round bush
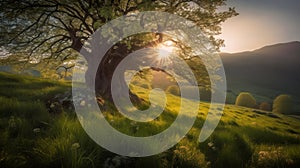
[205,94]
[283,104]
[245,99]
[134,82]
[173,89]
[265,106]
[145,86]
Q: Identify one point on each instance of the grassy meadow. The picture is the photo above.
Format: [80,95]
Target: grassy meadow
[36,131]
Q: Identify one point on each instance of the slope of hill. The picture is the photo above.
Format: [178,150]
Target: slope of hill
[266,72]
[31,137]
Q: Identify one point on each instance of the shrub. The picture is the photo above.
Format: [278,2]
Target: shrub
[140,83]
[145,86]
[173,89]
[205,94]
[134,82]
[283,104]
[265,106]
[245,99]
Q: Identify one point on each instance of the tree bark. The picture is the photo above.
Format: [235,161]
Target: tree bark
[105,72]
[108,65]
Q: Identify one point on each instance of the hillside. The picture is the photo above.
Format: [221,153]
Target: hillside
[33,136]
[266,72]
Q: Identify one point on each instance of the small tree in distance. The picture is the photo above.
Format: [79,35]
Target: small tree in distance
[265,106]
[283,104]
[245,99]
[173,89]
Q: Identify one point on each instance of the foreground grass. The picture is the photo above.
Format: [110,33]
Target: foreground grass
[32,137]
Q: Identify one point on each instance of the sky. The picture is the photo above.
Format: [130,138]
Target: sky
[261,23]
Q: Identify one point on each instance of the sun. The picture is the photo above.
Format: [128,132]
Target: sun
[164,54]
[165,50]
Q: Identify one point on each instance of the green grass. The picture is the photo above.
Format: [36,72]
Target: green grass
[29,88]
[32,137]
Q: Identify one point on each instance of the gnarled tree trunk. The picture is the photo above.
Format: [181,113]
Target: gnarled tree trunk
[105,72]
[108,65]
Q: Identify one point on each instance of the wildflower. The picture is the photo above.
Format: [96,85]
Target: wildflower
[117,161]
[36,130]
[208,164]
[133,123]
[210,144]
[106,163]
[75,145]
[263,155]
[289,161]
[52,105]
[176,151]
[184,147]
[12,122]
[82,103]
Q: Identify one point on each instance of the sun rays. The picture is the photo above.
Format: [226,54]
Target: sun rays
[165,51]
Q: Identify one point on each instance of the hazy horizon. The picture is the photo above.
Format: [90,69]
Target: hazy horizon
[260,23]
[251,50]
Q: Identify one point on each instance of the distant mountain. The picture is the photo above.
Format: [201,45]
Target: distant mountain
[10,69]
[267,71]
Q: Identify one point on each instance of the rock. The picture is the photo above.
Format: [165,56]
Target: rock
[55,107]
[118,161]
[60,101]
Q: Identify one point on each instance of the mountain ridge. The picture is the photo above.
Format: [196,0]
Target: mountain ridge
[297,43]
[268,71]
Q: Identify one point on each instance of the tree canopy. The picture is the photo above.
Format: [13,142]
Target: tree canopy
[53,28]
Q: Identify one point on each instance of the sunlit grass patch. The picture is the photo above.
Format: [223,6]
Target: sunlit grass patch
[31,137]
[29,88]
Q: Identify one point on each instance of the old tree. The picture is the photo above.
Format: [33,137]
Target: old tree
[56,29]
